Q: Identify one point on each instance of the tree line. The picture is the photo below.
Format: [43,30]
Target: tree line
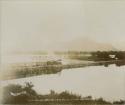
[19,94]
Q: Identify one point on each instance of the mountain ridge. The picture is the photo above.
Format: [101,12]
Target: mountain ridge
[86,44]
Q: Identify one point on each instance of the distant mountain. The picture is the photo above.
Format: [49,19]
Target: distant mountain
[86,44]
[79,44]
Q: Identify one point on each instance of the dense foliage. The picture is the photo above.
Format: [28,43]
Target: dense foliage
[18,94]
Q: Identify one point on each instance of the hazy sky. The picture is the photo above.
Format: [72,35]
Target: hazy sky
[36,24]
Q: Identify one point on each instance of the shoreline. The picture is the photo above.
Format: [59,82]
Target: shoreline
[53,69]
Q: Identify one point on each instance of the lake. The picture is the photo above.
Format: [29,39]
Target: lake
[97,81]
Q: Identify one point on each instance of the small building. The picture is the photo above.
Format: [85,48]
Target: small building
[112,56]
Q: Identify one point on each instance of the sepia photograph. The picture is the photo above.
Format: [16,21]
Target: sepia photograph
[62,52]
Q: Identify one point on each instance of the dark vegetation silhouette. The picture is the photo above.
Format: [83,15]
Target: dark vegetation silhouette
[22,94]
[101,57]
[96,56]
[15,93]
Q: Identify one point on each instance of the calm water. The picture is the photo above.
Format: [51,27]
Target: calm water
[98,81]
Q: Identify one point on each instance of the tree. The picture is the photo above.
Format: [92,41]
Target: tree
[18,94]
[29,89]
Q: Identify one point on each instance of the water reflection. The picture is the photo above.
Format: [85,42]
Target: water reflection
[54,70]
[106,64]
[30,70]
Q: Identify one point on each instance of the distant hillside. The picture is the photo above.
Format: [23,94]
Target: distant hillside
[85,44]
[79,44]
